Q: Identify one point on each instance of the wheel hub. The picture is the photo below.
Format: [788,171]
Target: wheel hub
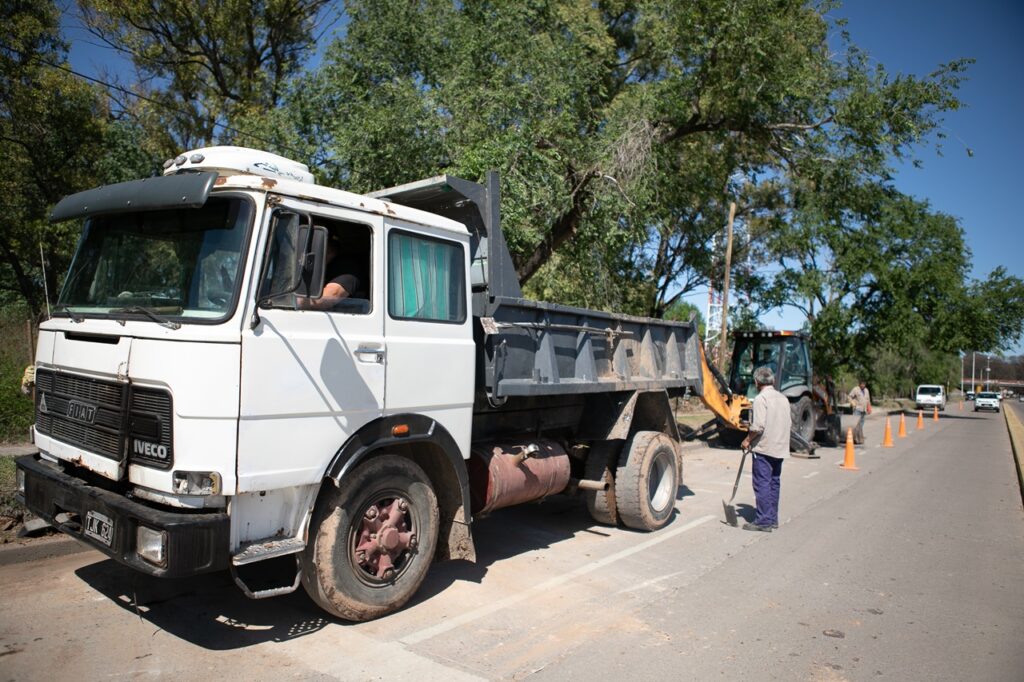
[384,538]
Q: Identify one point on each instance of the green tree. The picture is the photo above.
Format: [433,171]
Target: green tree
[53,129]
[621,128]
[205,63]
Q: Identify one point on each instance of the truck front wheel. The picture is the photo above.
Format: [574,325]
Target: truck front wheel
[371,540]
[646,481]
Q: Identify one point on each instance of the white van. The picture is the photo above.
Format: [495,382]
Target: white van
[929,396]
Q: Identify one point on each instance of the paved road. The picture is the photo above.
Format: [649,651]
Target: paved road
[909,569]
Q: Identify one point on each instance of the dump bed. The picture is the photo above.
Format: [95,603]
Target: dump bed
[532,348]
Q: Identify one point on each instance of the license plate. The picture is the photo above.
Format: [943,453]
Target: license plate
[99,527]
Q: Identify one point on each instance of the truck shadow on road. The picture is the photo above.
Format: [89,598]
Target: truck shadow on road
[207,610]
[211,612]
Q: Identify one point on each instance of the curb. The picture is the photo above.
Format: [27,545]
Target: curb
[1016,429]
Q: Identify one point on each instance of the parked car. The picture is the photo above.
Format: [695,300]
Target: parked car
[986,401]
[930,396]
[970,395]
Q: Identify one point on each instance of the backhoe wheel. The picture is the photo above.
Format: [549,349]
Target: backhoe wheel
[646,481]
[833,431]
[802,412]
[601,462]
[371,539]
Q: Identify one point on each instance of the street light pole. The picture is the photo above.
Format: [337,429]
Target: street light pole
[974,356]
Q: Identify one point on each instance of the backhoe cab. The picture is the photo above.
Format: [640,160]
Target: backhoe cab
[812,399]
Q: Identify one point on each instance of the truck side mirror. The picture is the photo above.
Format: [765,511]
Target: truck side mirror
[309,266]
[295,259]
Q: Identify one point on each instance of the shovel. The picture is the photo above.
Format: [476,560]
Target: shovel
[730,510]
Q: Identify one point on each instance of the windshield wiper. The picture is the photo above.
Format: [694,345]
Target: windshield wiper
[156,317]
[76,318]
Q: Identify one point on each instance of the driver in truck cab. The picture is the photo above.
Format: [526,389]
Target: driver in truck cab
[340,278]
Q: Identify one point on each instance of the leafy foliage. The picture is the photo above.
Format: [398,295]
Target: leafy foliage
[622,130]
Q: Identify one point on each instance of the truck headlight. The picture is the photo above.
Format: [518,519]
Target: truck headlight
[151,545]
[19,478]
[196,482]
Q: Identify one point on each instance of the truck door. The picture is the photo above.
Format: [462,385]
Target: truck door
[312,371]
[431,352]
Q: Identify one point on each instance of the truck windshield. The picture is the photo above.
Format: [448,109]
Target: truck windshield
[929,390]
[183,264]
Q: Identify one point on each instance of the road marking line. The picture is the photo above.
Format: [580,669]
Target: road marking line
[451,624]
[812,474]
[648,583]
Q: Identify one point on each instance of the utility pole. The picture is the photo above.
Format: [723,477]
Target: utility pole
[723,339]
[974,356]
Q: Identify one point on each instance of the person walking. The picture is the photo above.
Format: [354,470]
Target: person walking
[860,398]
[768,437]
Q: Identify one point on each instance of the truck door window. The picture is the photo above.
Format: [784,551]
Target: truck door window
[426,279]
[347,272]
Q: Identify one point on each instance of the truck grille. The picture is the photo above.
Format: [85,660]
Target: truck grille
[87,413]
[150,435]
[103,416]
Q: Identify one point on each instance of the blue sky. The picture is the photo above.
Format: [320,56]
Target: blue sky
[908,37]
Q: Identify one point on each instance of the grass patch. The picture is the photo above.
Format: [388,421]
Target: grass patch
[16,410]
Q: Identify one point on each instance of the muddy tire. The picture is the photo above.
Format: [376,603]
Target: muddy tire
[371,539]
[601,462]
[646,481]
[802,413]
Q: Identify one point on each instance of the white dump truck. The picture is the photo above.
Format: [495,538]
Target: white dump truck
[246,367]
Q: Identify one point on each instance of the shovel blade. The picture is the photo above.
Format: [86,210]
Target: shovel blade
[730,514]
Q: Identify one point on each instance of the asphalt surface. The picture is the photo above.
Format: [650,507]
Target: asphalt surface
[909,568]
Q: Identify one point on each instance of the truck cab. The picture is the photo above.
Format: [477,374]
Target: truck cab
[194,386]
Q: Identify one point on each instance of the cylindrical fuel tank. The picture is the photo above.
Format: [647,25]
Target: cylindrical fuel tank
[502,474]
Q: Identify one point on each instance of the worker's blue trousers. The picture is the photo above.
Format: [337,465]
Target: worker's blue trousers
[767,481]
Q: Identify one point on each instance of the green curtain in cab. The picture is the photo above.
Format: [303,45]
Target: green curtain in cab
[424,275]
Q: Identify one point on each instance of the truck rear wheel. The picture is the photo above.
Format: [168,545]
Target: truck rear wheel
[802,412]
[372,539]
[646,481]
[601,462]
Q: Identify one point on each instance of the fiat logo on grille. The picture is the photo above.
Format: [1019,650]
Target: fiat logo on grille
[81,412]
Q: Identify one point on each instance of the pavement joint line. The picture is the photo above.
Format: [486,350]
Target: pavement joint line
[812,474]
[470,616]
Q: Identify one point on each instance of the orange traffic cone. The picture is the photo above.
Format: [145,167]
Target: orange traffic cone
[849,461]
[961,408]
[887,439]
[920,420]
[903,426]
[935,414]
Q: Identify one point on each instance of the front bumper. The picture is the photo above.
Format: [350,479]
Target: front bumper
[196,543]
